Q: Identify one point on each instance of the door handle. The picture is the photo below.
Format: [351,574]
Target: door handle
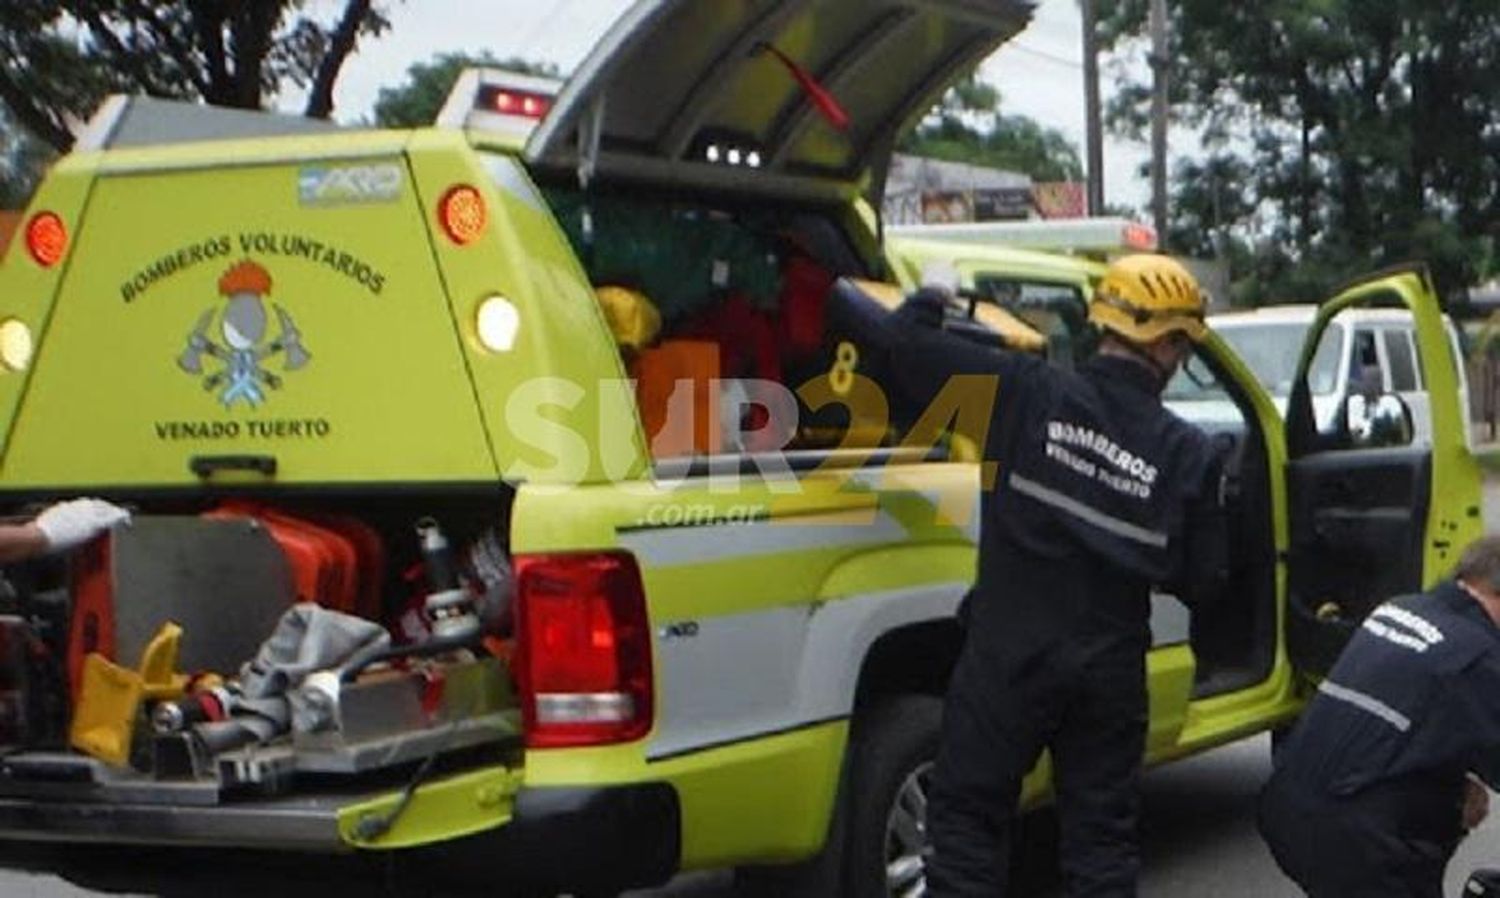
[206,466]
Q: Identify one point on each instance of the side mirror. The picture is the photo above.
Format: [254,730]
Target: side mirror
[1373,422]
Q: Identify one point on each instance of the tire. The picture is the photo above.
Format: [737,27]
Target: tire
[891,747]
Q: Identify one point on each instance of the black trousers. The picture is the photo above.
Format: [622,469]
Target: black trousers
[1357,848]
[1085,700]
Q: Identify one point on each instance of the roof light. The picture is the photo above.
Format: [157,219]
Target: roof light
[15,345]
[1139,236]
[734,155]
[498,322]
[753,159]
[46,238]
[712,153]
[463,214]
[517,102]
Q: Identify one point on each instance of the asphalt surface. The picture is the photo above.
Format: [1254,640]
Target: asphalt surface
[1198,838]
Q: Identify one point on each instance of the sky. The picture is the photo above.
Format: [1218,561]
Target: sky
[1039,73]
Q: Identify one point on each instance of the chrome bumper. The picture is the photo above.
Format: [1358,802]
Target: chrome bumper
[304,825]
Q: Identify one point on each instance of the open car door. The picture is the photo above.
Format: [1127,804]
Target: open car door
[1373,512]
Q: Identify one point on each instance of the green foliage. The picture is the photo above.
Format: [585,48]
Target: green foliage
[417,102]
[23,158]
[58,58]
[1343,134]
[968,127]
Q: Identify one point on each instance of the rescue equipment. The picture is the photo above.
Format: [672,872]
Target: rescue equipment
[111,696]
[658,372]
[631,315]
[450,608]
[209,709]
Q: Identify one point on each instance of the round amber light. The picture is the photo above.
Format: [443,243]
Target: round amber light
[463,214]
[46,238]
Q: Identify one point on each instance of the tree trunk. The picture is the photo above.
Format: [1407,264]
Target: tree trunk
[340,44]
[252,27]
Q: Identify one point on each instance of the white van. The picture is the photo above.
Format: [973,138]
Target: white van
[1362,349]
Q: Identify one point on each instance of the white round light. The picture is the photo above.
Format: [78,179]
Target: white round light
[753,160]
[15,345]
[498,323]
[734,156]
[712,153]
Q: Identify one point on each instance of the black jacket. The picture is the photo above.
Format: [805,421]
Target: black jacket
[1098,491]
[1411,706]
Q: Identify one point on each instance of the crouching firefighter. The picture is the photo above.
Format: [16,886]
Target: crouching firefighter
[1098,493]
[1386,769]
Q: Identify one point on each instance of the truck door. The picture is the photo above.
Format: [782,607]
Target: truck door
[1374,513]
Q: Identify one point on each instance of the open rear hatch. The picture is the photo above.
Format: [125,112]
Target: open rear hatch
[778,89]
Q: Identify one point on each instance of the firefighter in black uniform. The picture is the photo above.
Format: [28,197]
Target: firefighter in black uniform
[1377,782]
[1098,488]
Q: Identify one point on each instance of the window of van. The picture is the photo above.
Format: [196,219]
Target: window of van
[1272,351]
[1401,359]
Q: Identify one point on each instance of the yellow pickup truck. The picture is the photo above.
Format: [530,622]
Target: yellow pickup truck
[544,395]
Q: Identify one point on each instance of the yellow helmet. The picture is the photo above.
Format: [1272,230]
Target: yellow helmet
[633,318]
[1146,296]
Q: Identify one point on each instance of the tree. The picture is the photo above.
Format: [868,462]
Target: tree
[22,161]
[416,103]
[1354,134]
[969,127]
[58,58]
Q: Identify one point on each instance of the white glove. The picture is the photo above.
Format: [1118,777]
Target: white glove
[70,524]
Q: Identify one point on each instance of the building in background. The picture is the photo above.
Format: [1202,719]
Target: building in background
[932,191]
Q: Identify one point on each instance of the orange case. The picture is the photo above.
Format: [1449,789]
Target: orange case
[657,371]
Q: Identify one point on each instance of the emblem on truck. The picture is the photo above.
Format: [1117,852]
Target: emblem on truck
[247,339]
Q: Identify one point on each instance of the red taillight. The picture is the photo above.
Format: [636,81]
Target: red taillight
[46,238]
[463,214]
[583,652]
[518,102]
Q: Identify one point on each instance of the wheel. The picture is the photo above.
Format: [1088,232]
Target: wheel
[878,837]
[892,752]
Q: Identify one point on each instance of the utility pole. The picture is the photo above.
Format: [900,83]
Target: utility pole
[1095,139]
[1159,69]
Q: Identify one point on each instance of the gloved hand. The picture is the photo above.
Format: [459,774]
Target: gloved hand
[70,524]
[925,308]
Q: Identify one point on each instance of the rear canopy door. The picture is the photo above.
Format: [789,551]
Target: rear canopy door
[677,84]
[1374,516]
[225,321]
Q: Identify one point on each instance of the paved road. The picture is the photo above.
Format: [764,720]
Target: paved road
[1198,831]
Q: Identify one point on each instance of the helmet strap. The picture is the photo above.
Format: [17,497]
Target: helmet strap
[1135,350]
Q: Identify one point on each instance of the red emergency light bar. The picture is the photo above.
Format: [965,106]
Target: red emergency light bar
[509,101]
[1140,236]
